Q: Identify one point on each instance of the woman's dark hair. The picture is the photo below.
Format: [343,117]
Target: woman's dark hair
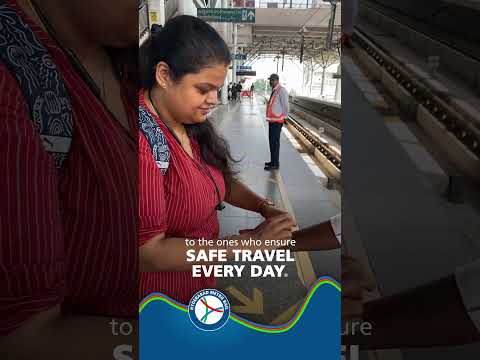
[188,45]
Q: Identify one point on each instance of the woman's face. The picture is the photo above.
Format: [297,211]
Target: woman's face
[192,98]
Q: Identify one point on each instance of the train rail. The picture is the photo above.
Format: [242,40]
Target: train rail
[323,112]
[451,22]
[454,131]
[327,155]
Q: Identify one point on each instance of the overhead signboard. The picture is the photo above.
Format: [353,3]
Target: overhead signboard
[227,15]
[242,67]
[246,73]
[239,56]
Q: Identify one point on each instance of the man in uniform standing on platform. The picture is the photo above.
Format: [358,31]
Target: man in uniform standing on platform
[234,92]
[239,91]
[277,112]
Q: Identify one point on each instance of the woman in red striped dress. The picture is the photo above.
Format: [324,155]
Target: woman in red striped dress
[185,170]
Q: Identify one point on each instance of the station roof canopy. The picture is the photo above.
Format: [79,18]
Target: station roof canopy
[280,31]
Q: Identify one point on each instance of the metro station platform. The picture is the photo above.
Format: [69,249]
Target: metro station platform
[297,187]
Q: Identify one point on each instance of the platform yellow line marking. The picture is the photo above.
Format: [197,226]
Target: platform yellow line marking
[251,306]
[305,270]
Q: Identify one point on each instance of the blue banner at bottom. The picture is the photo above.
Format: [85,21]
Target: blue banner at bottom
[167,330]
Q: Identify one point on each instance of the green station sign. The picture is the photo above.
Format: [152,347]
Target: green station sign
[234,15]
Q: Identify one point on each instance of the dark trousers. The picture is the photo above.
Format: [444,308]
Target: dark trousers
[274,131]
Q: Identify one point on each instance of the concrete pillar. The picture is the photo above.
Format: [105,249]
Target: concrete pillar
[311,79]
[324,69]
[187,7]
[234,61]
[303,79]
[224,5]
[338,85]
[224,93]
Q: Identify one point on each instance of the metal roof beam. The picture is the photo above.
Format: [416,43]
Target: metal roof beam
[199,3]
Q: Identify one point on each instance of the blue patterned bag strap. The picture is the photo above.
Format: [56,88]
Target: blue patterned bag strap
[44,91]
[155,138]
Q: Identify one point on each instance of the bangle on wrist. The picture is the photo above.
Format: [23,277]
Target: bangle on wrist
[262,205]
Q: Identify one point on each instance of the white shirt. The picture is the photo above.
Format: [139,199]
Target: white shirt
[468,281]
[336,223]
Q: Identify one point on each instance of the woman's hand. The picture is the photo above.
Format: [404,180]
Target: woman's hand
[269,211]
[276,227]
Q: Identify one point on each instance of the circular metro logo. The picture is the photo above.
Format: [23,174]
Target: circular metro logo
[209,309]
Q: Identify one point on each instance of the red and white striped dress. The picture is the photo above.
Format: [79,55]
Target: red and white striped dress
[180,203]
[68,239]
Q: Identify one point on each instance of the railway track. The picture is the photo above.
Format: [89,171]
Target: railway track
[455,132]
[329,158]
[448,21]
[322,112]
